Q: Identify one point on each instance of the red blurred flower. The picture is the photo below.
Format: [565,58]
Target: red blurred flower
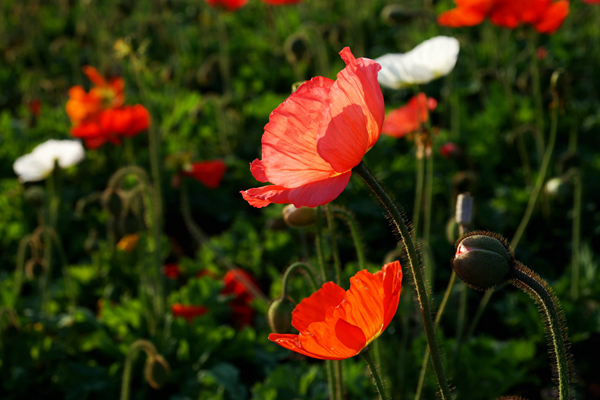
[171,271]
[315,137]
[35,107]
[334,324]
[188,312]
[230,5]
[408,118]
[545,15]
[99,115]
[237,283]
[450,150]
[209,173]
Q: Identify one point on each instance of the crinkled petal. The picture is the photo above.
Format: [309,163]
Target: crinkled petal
[258,171]
[289,144]
[314,308]
[352,124]
[310,195]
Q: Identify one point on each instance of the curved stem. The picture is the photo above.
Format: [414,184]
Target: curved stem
[373,368]
[356,237]
[337,264]
[292,268]
[203,240]
[538,289]
[141,344]
[395,215]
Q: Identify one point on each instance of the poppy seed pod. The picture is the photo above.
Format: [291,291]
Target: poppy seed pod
[483,260]
[280,315]
[299,217]
[157,371]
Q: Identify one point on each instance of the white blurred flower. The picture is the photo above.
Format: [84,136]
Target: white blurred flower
[428,61]
[39,164]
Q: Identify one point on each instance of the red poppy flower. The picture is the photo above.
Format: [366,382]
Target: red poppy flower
[209,173]
[409,118]
[171,271]
[188,312]
[230,5]
[334,324]
[315,137]
[545,15]
[241,311]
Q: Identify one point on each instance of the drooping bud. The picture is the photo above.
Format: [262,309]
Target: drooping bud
[302,217]
[157,371]
[35,196]
[483,260]
[280,315]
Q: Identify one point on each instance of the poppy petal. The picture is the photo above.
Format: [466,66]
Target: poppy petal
[310,195]
[459,17]
[352,124]
[258,171]
[289,144]
[553,17]
[392,284]
[314,308]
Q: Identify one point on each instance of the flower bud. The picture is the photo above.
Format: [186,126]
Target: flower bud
[35,196]
[483,260]
[280,315]
[302,217]
[297,48]
[557,187]
[157,371]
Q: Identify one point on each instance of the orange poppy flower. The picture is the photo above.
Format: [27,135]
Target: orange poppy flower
[315,137]
[545,15]
[408,119]
[188,312]
[229,5]
[334,324]
[209,173]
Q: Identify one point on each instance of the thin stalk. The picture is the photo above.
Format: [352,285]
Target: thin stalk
[400,224]
[420,173]
[356,237]
[337,264]
[21,252]
[576,233]
[537,93]
[331,379]
[338,379]
[203,240]
[436,322]
[49,222]
[373,368]
[319,245]
[538,289]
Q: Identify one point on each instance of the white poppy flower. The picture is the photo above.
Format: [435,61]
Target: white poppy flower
[39,164]
[428,61]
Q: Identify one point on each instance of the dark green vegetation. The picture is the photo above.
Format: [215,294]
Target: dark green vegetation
[76,349]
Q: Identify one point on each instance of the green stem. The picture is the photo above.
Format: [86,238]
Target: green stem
[338,379]
[420,161]
[292,268]
[203,240]
[576,233]
[49,222]
[331,379]
[319,245]
[395,215]
[438,316]
[537,93]
[141,344]
[337,264]
[21,253]
[538,289]
[373,368]
[356,237]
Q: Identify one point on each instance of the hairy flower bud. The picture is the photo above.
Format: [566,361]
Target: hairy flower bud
[280,315]
[483,260]
[301,217]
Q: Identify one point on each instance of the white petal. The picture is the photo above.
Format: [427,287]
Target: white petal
[38,164]
[429,60]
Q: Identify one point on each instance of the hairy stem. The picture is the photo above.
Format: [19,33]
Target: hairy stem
[365,354]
